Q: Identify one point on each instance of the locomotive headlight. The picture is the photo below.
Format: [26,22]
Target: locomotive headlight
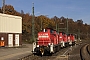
[37,45]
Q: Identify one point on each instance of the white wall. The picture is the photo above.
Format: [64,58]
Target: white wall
[10,24]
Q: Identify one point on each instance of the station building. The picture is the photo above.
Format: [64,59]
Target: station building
[10,30]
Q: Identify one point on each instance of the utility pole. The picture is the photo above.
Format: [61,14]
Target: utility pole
[56,26]
[41,25]
[33,36]
[67,25]
[41,22]
[56,23]
[3,2]
[78,34]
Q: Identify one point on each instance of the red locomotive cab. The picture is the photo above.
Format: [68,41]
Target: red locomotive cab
[60,37]
[48,31]
[54,40]
[56,36]
[68,38]
[72,37]
[65,38]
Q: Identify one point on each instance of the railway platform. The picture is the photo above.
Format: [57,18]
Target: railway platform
[15,53]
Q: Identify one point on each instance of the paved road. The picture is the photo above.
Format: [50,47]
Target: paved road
[15,53]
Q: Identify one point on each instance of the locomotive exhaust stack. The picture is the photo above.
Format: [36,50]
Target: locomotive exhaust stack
[44,30]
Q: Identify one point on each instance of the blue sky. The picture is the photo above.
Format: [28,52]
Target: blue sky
[75,9]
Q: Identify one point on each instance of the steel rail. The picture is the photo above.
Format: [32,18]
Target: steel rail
[84,52]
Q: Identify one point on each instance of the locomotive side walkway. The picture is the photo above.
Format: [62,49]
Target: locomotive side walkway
[15,53]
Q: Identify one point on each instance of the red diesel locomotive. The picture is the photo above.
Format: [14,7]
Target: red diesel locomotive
[49,41]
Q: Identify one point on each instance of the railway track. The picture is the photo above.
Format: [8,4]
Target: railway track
[84,52]
[54,56]
[29,57]
[63,54]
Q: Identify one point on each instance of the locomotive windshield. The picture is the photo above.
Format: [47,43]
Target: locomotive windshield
[51,31]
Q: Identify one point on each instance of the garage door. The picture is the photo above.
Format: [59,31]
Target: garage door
[10,40]
[16,39]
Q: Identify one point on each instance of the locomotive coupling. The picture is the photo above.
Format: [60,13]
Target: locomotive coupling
[42,51]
